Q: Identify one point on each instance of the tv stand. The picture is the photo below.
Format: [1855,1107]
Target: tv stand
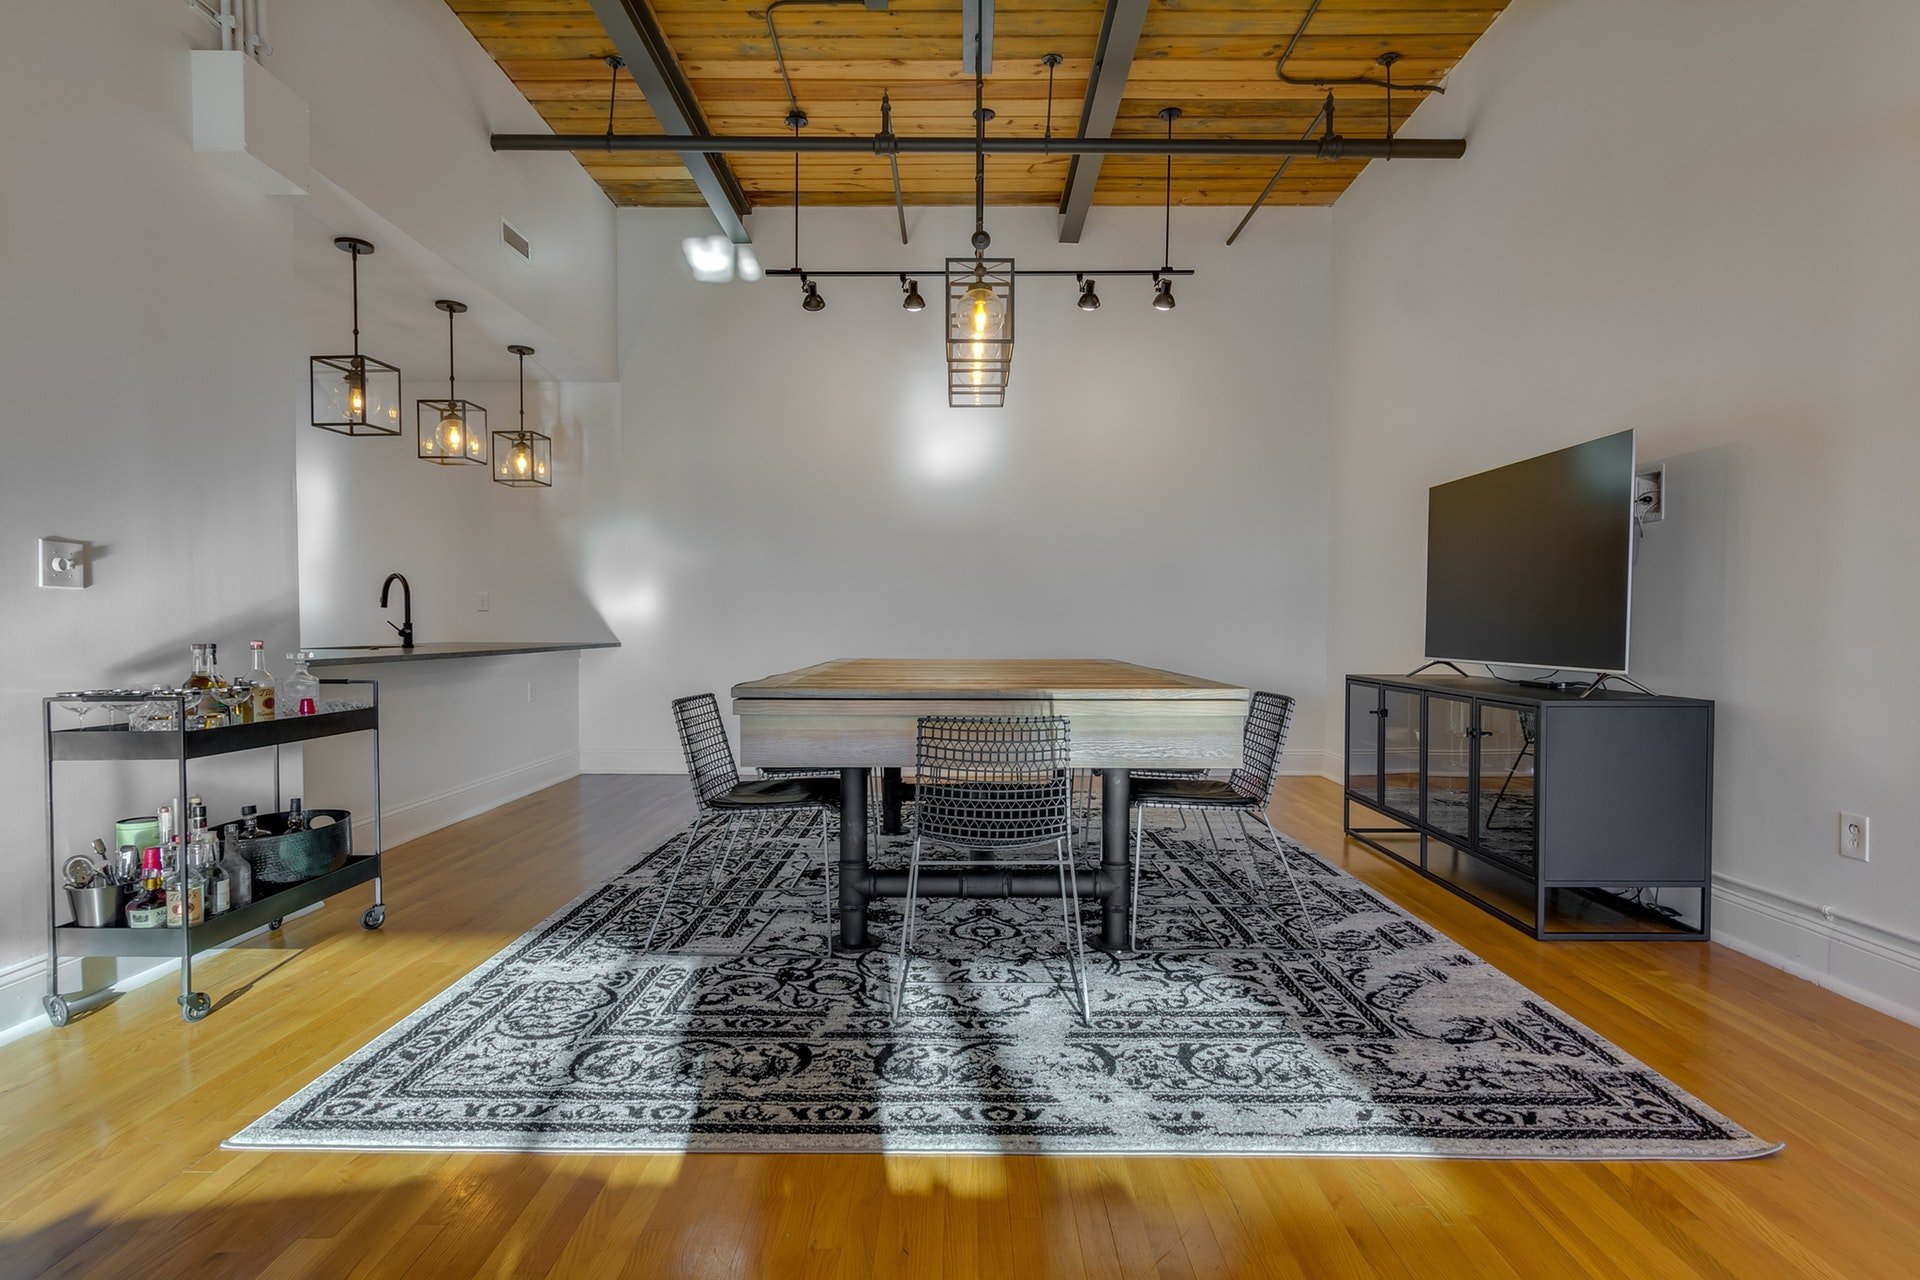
[1600,683]
[1572,813]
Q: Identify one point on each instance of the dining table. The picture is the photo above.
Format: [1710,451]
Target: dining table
[855,715]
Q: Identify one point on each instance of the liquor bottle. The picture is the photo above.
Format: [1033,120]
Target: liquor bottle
[261,704]
[186,899]
[296,817]
[148,908]
[239,874]
[203,709]
[301,690]
[249,823]
[163,836]
[203,855]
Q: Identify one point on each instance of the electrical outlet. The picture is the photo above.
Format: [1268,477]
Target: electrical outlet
[530,691]
[486,601]
[1853,835]
[63,563]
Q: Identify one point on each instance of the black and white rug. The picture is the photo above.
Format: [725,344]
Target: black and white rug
[1226,1033]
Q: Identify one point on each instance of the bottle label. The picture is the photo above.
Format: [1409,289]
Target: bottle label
[143,917]
[222,897]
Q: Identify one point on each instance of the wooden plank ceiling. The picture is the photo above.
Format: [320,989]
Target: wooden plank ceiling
[1214,59]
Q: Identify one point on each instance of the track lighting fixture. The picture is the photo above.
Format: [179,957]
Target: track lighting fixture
[1089,300]
[1162,286]
[913,301]
[1162,294]
[810,299]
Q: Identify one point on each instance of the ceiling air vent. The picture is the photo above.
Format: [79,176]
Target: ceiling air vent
[515,241]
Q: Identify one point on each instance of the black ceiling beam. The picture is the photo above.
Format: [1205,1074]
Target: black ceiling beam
[1112,63]
[650,61]
[976,17]
[1324,148]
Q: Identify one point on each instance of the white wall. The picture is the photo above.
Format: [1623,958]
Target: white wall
[787,487]
[1696,220]
[156,317]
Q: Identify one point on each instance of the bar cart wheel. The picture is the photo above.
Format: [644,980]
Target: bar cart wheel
[196,1006]
[274,925]
[57,1010]
[374,916]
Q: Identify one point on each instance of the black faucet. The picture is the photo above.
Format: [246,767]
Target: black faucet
[406,604]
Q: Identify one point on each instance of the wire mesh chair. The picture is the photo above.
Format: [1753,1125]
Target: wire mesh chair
[721,797]
[1248,790]
[995,782]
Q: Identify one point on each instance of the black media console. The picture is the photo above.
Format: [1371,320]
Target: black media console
[1571,817]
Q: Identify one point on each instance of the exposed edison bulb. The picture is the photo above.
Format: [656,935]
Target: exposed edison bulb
[521,460]
[356,394]
[452,434]
[983,310]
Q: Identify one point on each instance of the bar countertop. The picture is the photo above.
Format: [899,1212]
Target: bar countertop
[364,655]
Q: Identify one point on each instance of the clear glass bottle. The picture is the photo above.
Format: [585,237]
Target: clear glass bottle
[249,823]
[239,874]
[261,705]
[203,856]
[301,690]
[148,908]
[296,816]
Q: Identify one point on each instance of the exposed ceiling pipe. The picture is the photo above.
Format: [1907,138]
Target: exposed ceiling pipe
[1330,147]
[1278,174]
[1280,67]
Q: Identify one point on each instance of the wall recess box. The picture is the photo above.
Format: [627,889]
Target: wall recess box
[252,125]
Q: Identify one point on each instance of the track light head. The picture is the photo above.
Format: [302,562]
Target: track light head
[1089,300]
[1162,294]
[810,299]
[913,301]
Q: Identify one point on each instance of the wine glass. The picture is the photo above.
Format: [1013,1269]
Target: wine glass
[230,696]
[81,704]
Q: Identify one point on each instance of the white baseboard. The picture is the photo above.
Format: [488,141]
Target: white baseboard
[1865,962]
[1312,763]
[632,760]
[416,818]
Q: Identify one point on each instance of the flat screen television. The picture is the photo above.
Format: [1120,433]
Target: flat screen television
[1532,564]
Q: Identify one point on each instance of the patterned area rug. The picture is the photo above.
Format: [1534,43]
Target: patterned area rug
[1227,1032]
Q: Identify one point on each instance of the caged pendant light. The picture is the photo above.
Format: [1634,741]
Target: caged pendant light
[354,394]
[523,459]
[979,292]
[451,431]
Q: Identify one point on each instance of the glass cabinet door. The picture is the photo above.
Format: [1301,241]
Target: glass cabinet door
[1363,740]
[1400,737]
[1505,800]
[1449,759]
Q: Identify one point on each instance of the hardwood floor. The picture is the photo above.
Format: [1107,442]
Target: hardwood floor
[110,1128]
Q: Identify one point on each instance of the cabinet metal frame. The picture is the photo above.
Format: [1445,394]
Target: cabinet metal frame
[1428,833]
[181,745]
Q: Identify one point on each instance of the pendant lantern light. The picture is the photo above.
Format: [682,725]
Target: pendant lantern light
[355,394]
[451,431]
[523,459]
[979,291]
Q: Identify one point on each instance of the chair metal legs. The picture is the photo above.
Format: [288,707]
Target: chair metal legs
[1069,920]
[1070,923]
[718,868]
[1257,883]
[673,880]
[1280,854]
[906,927]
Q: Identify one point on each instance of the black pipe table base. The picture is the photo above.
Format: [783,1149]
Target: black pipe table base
[860,884]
